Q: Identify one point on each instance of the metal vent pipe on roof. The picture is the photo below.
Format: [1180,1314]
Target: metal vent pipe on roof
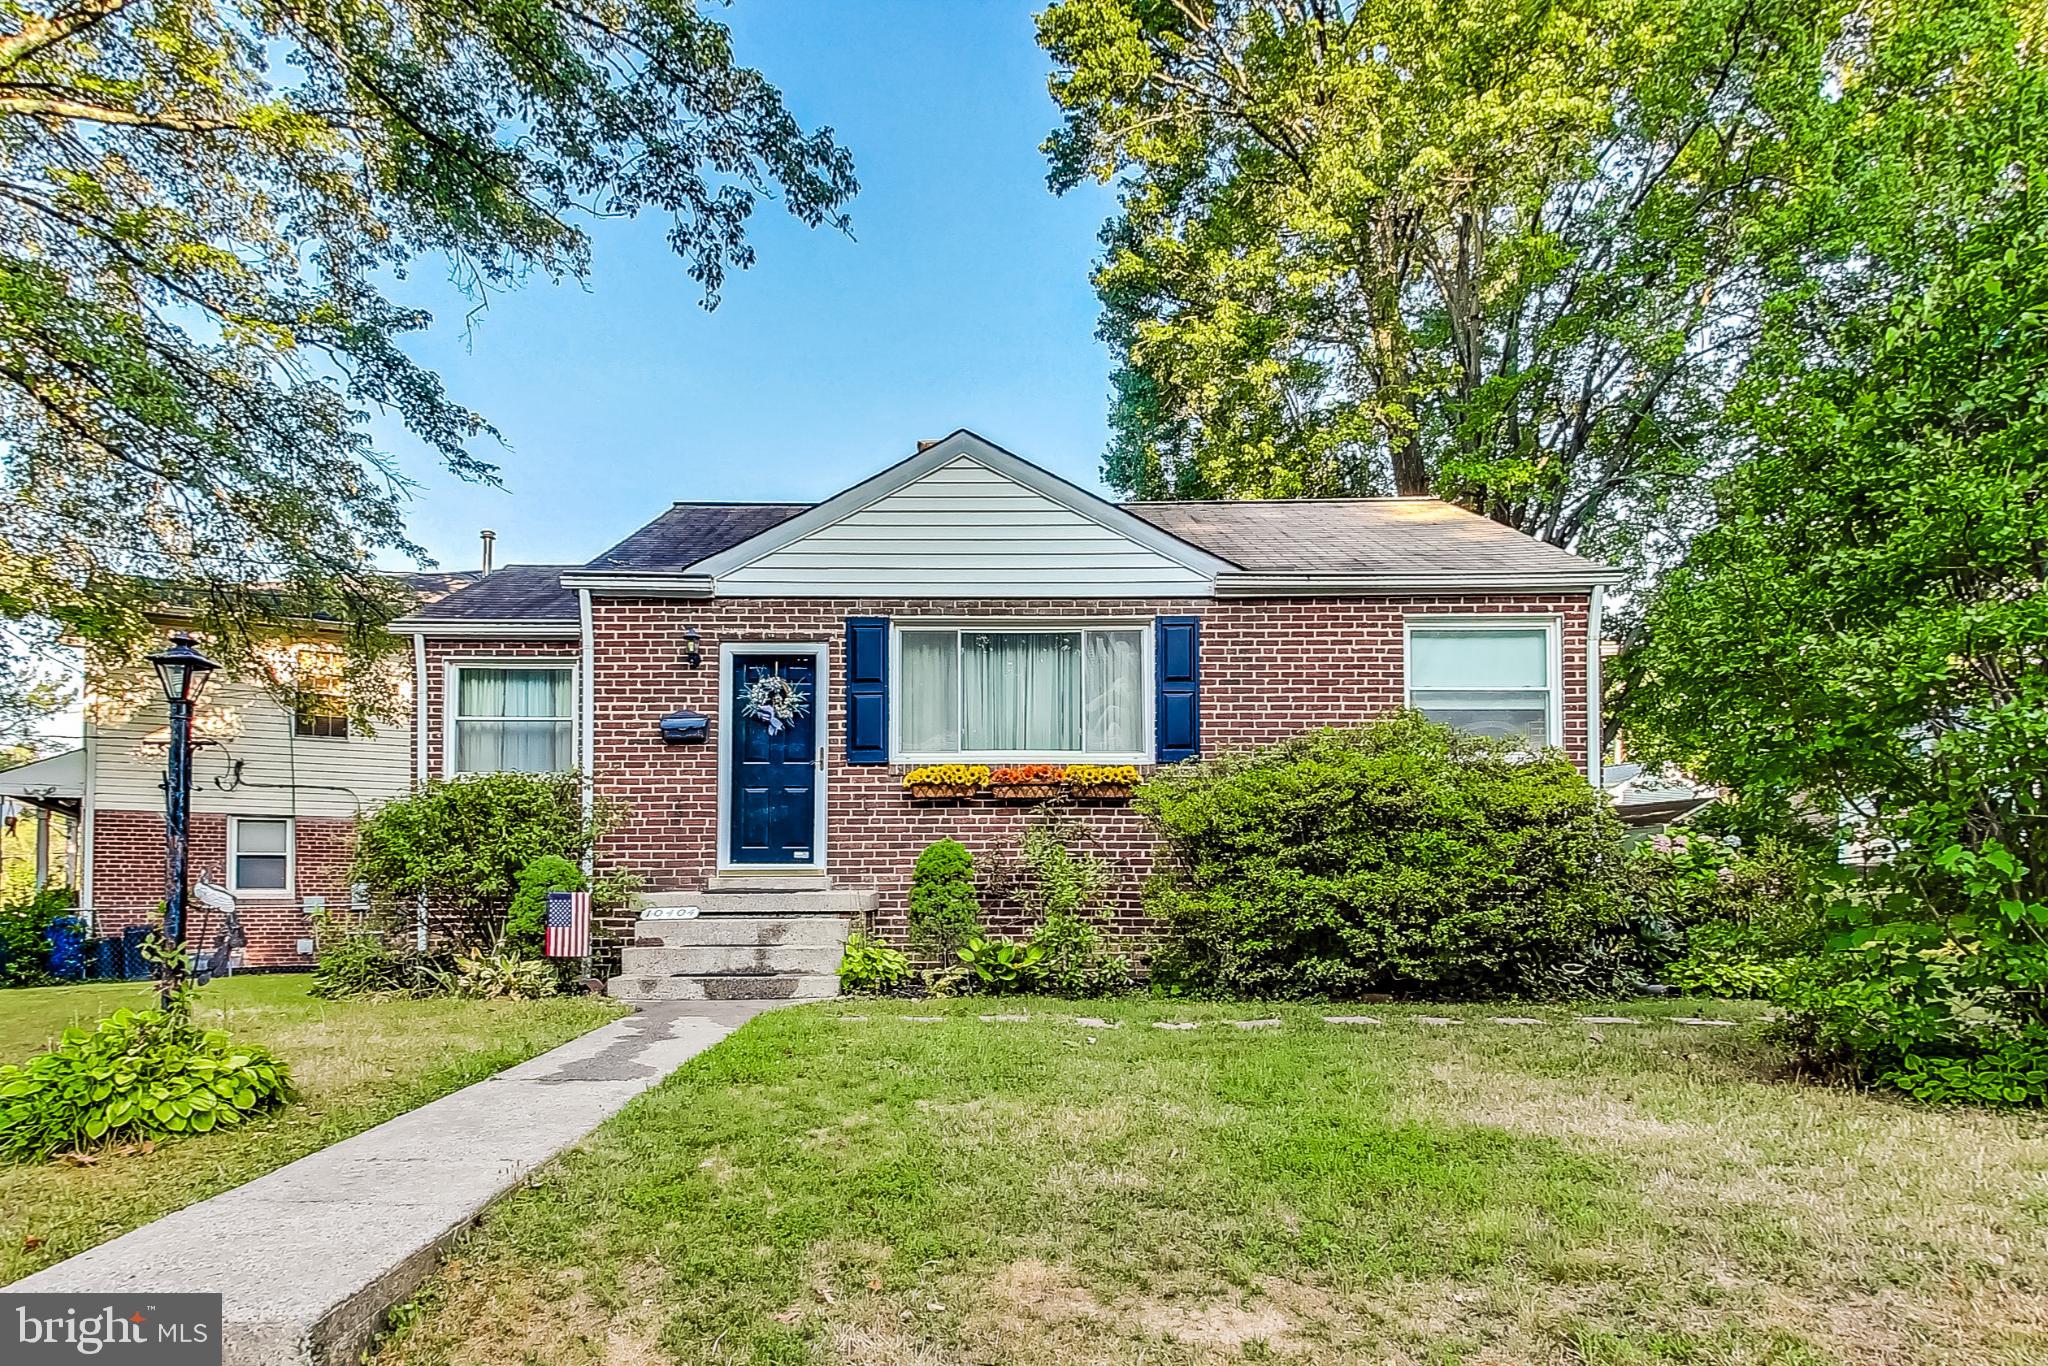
[490,539]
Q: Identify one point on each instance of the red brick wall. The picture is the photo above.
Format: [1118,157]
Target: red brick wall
[1350,648]
[128,879]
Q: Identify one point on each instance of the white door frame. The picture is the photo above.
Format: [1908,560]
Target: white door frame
[821,711]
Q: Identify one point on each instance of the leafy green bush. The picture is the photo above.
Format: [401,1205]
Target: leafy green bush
[1400,856]
[869,966]
[139,1074]
[497,975]
[944,911]
[1737,917]
[25,937]
[1073,959]
[526,918]
[363,962]
[462,842]
[1001,966]
[1946,1007]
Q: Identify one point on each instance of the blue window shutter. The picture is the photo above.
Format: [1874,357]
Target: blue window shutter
[1177,712]
[867,690]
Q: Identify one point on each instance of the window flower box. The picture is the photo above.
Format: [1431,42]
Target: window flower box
[942,782]
[1027,782]
[1101,781]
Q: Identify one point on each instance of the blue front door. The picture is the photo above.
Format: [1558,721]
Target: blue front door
[774,769]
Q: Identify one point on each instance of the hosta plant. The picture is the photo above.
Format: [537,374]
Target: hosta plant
[140,1074]
[870,966]
[1002,965]
[502,976]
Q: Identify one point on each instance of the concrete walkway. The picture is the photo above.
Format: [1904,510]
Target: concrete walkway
[309,1257]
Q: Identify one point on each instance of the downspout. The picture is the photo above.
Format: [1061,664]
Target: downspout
[1595,733]
[419,736]
[587,719]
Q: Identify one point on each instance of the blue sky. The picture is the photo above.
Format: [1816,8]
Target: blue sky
[961,300]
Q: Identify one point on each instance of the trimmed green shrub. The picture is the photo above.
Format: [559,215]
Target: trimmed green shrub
[25,937]
[464,841]
[139,1074]
[1402,856]
[869,966]
[944,911]
[526,918]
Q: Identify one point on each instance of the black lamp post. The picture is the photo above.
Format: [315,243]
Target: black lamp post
[182,670]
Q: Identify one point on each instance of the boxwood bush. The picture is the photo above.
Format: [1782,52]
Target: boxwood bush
[1402,856]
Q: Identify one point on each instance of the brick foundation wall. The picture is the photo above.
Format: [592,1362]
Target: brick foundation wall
[1351,648]
[128,879]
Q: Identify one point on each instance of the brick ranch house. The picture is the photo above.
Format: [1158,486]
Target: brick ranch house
[961,605]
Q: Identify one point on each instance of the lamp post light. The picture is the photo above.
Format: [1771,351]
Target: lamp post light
[183,672]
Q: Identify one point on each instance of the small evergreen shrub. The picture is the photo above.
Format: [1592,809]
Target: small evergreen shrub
[870,967]
[526,918]
[1401,856]
[138,1074]
[944,911]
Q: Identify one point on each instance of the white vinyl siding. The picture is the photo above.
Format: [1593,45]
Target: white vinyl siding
[260,856]
[512,718]
[280,773]
[1496,678]
[1006,690]
[964,531]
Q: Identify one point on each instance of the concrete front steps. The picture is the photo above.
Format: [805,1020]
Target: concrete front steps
[752,940]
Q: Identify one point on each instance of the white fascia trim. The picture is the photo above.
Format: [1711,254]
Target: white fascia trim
[625,583]
[1360,585]
[1595,733]
[962,443]
[487,630]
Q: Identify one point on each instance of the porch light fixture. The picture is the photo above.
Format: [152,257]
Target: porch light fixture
[693,647]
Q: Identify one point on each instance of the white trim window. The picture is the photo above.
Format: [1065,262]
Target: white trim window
[260,855]
[1497,678]
[1022,690]
[512,717]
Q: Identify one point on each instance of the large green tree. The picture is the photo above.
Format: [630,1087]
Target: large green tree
[1511,251]
[203,205]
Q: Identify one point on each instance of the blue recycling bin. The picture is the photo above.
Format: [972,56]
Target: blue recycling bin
[133,964]
[67,948]
[105,960]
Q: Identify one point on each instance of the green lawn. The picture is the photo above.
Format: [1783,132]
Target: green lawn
[357,1063]
[887,1192]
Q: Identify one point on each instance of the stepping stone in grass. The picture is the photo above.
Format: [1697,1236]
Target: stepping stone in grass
[1607,1019]
[1515,1020]
[1438,1020]
[1699,1022]
[862,1019]
[925,1019]
[1005,1019]
[1254,1024]
[1176,1024]
[1350,1019]
[1090,1022]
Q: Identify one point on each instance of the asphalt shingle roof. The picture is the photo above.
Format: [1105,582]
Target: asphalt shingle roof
[689,532]
[516,592]
[1393,536]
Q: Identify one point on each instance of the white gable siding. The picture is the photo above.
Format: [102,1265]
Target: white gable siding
[282,774]
[963,530]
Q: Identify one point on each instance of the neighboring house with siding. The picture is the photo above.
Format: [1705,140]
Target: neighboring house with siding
[966,605]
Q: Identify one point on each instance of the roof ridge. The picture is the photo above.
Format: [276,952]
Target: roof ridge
[1296,502]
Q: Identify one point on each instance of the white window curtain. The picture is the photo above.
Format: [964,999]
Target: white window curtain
[993,692]
[1489,681]
[513,720]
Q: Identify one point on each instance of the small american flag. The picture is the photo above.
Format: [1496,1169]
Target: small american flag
[568,925]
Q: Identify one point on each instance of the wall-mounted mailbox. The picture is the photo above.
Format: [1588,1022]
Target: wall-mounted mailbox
[685,728]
